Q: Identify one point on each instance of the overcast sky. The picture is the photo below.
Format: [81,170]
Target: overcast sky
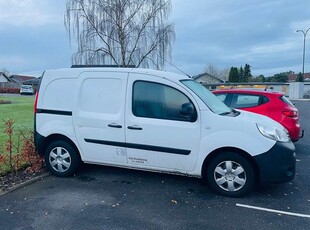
[223,33]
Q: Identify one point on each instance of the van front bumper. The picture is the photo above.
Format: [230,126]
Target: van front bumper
[278,164]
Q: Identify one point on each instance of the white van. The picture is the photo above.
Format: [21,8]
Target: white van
[156,121]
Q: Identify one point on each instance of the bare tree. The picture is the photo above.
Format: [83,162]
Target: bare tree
[120,32]
[214,71]
[224,73]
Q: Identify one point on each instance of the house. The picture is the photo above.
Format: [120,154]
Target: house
[292,77]
[206,78]
[16,81]
[4,77]
[23,79]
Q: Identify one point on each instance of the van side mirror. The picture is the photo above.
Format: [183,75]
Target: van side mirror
[188,112]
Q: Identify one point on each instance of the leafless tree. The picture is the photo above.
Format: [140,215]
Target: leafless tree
[214,71]
[120,32]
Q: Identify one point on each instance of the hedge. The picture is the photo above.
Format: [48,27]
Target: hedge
[9,90]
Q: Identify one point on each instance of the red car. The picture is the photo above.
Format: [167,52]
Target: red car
[272,104]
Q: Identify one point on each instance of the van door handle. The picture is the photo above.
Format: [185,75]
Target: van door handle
[135,127]
[113,125]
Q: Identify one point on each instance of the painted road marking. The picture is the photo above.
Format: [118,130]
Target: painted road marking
[273,210]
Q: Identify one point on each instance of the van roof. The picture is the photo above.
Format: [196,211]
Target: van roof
[74,72]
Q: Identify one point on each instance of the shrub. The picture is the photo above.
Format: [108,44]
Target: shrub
[34,162]
[5,102]
[17,158]
[9,90]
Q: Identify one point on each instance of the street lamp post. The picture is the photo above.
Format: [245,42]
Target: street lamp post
[304,51]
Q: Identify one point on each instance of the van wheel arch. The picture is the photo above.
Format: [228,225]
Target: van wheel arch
[61,155]
[59,137]
[240,152]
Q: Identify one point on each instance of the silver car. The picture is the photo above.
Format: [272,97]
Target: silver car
[26,89]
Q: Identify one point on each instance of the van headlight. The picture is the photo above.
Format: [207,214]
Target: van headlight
[273,133]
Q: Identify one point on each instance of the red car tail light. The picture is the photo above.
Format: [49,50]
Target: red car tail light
[290,113]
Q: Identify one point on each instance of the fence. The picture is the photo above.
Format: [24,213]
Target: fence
[10,85]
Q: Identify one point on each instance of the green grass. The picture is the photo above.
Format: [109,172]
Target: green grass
[21,111]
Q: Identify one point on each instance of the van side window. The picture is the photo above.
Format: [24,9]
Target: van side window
[153,100]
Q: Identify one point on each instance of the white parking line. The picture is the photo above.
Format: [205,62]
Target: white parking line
[273,210]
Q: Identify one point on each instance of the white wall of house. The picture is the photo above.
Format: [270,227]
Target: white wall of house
[3,78]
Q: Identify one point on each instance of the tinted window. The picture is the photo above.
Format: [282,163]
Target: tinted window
[245,100]
[154,100]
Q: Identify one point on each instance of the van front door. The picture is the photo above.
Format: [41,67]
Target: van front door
[99,117]
[162,125]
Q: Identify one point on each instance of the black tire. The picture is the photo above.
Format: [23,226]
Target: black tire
[61,159]
[230,174]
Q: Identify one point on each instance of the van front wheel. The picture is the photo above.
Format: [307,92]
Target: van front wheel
[230,174]
[61,159]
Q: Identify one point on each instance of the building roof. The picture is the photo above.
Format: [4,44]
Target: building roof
[5,76]
[21,78]
[293,76]
[206,77]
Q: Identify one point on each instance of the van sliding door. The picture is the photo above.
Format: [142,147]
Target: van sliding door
[99,117]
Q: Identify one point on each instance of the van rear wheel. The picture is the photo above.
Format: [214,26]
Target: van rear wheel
[61,159]
[230,174]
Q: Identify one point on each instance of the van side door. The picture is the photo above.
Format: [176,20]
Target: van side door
[99,117]
[162,125]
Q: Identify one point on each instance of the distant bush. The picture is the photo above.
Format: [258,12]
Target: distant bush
[5,102]
[307,94]
[9,90]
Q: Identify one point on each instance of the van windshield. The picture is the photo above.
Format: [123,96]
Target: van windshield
[214,104]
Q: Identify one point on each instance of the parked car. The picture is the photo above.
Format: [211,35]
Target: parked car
[27,89]
[272,104]
[156,121]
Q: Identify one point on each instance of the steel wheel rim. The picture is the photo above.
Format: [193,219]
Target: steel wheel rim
[60,159]
[230,176]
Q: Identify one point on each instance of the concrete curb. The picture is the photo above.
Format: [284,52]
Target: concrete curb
[32,180]
[302,99]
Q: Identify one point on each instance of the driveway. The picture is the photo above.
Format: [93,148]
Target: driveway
[101,197]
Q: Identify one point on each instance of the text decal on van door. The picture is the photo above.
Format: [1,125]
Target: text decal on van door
[136,160]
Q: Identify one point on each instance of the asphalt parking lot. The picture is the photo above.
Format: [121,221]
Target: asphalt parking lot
[101,197]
